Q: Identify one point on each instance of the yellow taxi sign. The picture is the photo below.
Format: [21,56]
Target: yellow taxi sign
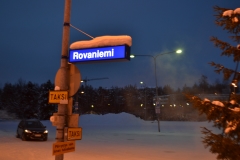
[63,147]
[60,97]
[74,133]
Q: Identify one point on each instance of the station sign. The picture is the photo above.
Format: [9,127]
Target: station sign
[58,97]
[112,53]
[63,147]
[74,133]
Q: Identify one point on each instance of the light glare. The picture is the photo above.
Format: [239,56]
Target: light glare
[179,51]
[27,131]
[132,56]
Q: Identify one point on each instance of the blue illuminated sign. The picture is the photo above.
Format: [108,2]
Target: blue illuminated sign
[113,53]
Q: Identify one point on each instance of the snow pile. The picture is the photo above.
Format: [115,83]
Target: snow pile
[231,126]
[206,100]
[236,11]
[218,103]
[235,19]
[5,116]
[102,42]
[236,109]
[233,102]
[230,13]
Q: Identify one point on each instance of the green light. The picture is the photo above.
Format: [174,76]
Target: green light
[179,51]
[132,56]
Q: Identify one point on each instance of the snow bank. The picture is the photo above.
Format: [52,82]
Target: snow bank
[102,42]
[218,103]
[6,116]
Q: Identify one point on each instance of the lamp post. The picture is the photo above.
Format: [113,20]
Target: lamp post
[155,69]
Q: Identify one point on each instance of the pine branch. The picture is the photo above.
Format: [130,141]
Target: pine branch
[227,143]
[227,22]
[227,73]
[228,50]
[224,115]
[225,147]
[235,38]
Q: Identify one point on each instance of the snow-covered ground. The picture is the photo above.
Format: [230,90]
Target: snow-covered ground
[113,137]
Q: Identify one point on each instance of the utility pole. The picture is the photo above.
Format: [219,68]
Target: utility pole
[63,77]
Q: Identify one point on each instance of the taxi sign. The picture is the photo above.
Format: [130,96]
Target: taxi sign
[74,133]
[60,97]
[63,147]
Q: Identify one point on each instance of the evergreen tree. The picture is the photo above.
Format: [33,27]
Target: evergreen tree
[45,110]
[225,115]
[203,84]
[167,89]
[8,98]
[131,99]
[1,92]
[195,89]
[102,99]
[29,105]
[12,97]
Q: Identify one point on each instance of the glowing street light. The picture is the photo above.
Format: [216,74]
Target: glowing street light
[179,51]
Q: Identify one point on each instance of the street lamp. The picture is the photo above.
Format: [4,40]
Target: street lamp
[155,69]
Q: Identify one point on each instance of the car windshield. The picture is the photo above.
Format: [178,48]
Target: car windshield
[33,124]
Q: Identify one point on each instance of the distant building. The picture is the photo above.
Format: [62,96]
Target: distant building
[214,97]
[177,107]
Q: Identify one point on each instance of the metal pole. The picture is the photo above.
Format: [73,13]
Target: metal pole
[145,101]
[63,108]
[156,90]
[155,71]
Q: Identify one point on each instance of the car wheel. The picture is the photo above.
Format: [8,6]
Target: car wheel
[23,137]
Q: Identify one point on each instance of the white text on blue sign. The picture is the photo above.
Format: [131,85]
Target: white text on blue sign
[98,54]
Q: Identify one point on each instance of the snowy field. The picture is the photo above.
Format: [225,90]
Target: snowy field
[113,137]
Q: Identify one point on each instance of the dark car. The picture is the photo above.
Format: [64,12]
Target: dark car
[32,129]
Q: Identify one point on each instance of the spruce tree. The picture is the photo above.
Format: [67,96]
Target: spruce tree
[225,115]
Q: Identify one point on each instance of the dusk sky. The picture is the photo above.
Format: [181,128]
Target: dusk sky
[31,39]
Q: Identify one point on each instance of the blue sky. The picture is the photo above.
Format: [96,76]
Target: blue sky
[31,39]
